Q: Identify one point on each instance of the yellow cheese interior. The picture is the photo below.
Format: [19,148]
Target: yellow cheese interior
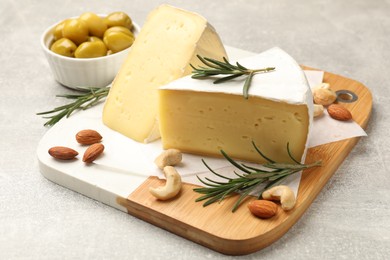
[162,52]
[205,123]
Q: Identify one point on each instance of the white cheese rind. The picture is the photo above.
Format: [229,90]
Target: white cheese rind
[166,45]
[287,83]
[199,117]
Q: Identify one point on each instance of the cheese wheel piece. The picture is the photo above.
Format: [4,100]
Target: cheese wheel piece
[197,116]
[163,51]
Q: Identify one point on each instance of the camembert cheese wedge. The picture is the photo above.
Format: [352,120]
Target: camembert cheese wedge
[197,116]
[168,42]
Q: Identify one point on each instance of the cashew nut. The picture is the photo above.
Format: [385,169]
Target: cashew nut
[172,185]
[169,157]
[282,193]
[323,95]
[318,110]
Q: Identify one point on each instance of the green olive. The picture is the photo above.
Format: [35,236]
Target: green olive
[118,41]
[118,19]
[119,29]
[75,30]
[64,47]
[57,32]
[91,49]
[94,39]
[96,25]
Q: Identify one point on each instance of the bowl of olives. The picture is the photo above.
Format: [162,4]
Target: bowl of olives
[88,50]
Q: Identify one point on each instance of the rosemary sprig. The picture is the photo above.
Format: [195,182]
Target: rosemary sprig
[249,180]
[215,67]
[83,101]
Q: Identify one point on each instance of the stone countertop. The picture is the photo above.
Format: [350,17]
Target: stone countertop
[348,220]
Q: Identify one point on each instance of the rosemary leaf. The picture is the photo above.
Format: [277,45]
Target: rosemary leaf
[240,199]
[237,174]
[226,65]
[290,155]
[235,164]
[259,175]
[240,66]
[254,168]
[265,157]
[227,78]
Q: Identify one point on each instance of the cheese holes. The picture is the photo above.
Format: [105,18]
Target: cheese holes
[269,117]
[298,117]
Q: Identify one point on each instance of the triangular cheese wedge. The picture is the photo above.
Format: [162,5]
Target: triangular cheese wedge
[168,42]
[197,116]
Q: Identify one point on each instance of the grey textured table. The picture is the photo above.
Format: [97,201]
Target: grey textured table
[348,220]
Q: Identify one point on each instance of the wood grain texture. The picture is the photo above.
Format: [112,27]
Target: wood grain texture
[239,233]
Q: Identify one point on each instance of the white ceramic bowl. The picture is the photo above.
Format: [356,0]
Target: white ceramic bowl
[91,72]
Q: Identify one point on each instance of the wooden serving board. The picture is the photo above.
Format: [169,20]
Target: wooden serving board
[215,226]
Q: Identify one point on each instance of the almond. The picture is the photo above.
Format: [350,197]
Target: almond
[88,136]
[63,153]
[93,152]
[263,208]
[339,112]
